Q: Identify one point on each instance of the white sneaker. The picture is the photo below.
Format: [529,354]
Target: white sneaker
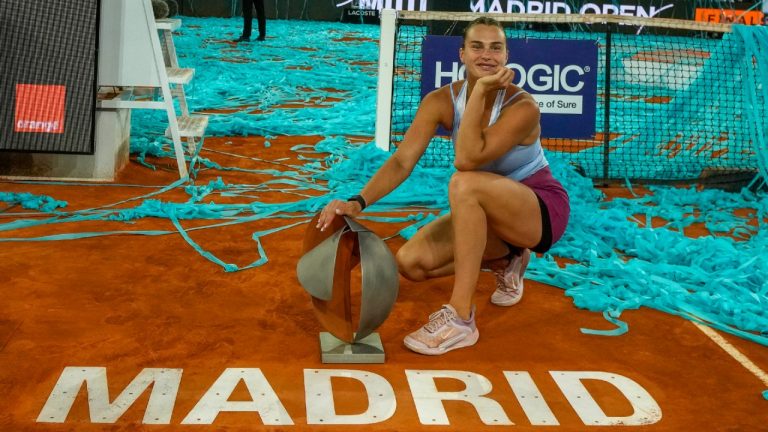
[509,281]
[444,332]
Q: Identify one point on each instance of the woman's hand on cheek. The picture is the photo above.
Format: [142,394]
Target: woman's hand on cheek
[499,80]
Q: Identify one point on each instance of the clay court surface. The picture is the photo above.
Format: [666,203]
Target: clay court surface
[130,303]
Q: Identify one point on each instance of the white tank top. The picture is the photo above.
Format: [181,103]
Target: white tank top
[518,163]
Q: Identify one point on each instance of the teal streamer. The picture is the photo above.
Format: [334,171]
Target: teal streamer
[83,235]
[30,201]
[160,191]
[205,254]
[65,183]
[257,238]
[611,317]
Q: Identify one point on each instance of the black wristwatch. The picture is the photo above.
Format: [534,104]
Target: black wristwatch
[360,201]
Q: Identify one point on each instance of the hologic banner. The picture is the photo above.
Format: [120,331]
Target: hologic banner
[560,74]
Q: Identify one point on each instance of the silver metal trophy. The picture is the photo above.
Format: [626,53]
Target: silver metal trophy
[325,271]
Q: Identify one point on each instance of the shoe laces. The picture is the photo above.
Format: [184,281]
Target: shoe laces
[503,277]
[438,319]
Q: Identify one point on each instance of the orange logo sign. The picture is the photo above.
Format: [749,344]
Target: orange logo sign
[729,16]
[39,108]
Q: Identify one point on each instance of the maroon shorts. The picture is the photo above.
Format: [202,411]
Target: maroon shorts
[554,204]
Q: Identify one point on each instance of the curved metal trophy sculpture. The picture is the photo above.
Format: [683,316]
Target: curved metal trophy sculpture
[324,271]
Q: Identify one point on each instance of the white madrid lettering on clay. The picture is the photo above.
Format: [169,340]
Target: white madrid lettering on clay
[321,400]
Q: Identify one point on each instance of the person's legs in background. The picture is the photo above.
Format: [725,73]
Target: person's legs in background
[247,20]
[261,17]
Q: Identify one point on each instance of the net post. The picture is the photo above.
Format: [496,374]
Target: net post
[386,71]
[607,111]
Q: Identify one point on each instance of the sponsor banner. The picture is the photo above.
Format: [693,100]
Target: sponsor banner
[642,8]
[678,9]
[39,108]
[48,58]
[560,104]
[332,10]
[639,8]
[365,16]
[561,75]
[627,8]
[751,17]
[411,5]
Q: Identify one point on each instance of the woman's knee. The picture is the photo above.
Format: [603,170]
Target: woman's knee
[462,184]
[409,265]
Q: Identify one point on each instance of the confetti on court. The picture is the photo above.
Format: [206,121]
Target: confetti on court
[264,89]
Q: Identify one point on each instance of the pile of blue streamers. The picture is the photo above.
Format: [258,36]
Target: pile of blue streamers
[619,261]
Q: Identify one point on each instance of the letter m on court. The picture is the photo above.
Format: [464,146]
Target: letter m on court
[165,386]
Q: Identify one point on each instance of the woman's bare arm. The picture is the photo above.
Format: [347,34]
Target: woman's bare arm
[478,144]
[399,166]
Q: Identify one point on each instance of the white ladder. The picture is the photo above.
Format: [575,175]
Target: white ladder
[191,128]
[170,81]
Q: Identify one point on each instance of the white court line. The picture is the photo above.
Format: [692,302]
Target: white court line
[735,353]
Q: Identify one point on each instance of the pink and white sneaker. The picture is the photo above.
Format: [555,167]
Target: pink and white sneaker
[444,332]
[509,281]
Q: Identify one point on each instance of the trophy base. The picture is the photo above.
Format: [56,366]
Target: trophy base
[367,350]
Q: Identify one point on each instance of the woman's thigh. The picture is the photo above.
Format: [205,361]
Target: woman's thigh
[511,208]
[433,247]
